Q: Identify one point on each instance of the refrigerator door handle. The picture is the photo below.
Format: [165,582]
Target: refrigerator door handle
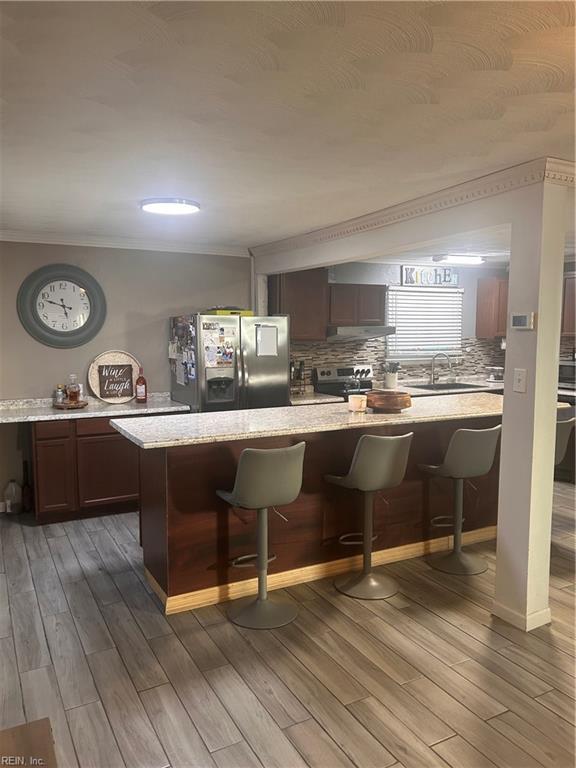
[243,369]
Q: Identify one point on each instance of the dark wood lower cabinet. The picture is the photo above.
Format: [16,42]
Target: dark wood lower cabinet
[82,469]
[55,479]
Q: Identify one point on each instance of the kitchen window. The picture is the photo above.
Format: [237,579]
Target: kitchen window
[427,321]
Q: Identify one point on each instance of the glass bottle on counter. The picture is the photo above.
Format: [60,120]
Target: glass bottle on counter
[141,387]
[73,389]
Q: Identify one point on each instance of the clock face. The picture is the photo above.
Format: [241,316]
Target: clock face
[63,305]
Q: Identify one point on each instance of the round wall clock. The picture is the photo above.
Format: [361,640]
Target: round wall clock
[61,305]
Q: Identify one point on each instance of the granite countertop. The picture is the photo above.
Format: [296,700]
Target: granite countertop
[196,428]
[314,398]
[14,411]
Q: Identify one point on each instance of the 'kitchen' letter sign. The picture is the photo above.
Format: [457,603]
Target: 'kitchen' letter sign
[432,277]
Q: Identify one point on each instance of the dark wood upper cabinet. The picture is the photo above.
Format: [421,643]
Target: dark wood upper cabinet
[352,304]
[343,304]
[304,297]
[491,307]
[371,304]
[313,305]
[568,306]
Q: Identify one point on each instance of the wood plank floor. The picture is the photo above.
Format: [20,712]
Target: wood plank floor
[425,678]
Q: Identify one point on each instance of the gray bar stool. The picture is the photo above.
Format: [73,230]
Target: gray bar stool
[378,463]
[264,478]
[470,453]
[563,430]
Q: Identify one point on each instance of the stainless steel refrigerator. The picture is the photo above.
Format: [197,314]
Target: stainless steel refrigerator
[225,362]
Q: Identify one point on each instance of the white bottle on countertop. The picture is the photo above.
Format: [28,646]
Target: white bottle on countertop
[13,497]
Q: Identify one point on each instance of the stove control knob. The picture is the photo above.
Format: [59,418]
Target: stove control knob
[357,372]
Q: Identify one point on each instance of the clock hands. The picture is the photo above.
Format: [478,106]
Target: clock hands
[59,304]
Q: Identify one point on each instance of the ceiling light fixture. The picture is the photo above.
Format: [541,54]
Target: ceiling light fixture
[169,206]
[460,258]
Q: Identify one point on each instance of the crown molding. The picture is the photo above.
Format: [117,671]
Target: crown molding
[548,169]
[16,236]
[560,171]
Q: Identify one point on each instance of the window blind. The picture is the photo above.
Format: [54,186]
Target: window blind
[427,321]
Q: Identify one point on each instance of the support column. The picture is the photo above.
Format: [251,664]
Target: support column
[529,419]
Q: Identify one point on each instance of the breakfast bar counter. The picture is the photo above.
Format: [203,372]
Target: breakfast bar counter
[199,428]
[190,537]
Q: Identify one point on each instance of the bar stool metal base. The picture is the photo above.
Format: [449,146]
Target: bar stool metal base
[366,586]
[459,563]
[254,613]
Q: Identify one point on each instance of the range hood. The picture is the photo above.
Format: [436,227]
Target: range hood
[358,332]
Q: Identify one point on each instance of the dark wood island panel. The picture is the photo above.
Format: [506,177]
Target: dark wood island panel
[190,536]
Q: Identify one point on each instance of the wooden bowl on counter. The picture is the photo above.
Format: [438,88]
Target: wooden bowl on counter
[388,400]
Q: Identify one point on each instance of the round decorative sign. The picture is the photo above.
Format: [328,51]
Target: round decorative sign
[61,305]
[112,376]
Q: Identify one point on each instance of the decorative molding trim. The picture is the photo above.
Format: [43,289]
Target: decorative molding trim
[224,592]
[15,236]
[549,169]
[560,171]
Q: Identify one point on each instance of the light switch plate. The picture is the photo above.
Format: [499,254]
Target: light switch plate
[519,381]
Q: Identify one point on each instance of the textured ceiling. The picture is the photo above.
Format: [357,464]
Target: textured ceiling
[278,117]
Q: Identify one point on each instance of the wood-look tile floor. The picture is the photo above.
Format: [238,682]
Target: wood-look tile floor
[425,678]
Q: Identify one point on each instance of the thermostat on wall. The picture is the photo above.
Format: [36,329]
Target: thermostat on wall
[522,322]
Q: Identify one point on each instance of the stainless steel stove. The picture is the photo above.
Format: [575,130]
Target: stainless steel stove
[342,380]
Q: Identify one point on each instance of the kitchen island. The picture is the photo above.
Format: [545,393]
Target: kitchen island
[190,536]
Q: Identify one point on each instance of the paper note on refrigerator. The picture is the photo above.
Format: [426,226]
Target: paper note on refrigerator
[266,341]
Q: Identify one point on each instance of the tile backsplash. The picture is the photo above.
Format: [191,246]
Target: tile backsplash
[567,344]
[478,353]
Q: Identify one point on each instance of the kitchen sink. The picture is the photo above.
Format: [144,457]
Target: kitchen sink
[438,387]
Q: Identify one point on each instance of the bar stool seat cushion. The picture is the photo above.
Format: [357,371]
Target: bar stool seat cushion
[469,454]
[379,462]
[269,477]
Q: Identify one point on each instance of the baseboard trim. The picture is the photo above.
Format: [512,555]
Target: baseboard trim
[520,620]
[224,592]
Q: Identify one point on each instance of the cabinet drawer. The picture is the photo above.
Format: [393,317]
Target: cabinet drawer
[48,430]
[99,426]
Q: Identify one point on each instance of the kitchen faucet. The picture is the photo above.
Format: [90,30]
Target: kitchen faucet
[433,374]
